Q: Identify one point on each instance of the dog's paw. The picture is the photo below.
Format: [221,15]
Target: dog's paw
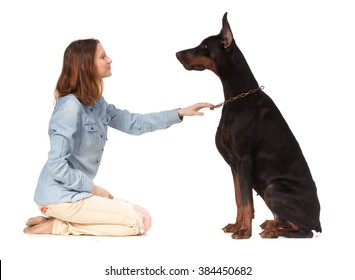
[231,228]
[269,233]
[238,232]
[242,234]
[271,224]
[264,224]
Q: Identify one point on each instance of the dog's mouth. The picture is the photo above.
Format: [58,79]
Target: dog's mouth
[197,67]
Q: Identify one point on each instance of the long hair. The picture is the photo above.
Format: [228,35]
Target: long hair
[78,74]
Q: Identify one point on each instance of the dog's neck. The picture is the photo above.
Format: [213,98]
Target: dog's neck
[239,78]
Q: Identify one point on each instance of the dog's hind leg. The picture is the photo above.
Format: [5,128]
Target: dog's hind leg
[290,217]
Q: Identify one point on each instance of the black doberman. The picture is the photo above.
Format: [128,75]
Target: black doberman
[258,145]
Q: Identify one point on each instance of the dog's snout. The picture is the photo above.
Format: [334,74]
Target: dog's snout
[178,55]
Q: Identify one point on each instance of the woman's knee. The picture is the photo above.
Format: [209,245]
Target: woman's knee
[147,219]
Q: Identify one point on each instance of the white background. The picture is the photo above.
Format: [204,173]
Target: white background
[301,51]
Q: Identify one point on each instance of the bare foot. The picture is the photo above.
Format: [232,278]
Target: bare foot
[36,220]
[45,227]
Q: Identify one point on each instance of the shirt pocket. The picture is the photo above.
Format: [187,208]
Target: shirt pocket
[90,137]
[106,120]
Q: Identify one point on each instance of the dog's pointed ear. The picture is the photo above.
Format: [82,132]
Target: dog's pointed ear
[226,32]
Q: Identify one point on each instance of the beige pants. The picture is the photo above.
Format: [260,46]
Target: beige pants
[95,216]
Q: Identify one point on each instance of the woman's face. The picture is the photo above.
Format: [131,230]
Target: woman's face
[102,63]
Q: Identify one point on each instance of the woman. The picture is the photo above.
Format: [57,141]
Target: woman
[66,194]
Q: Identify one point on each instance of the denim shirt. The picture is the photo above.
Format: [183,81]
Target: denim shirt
[78,135]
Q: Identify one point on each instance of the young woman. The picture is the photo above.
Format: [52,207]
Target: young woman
[66,194]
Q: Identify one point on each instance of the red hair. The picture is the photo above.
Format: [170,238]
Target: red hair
[78,75]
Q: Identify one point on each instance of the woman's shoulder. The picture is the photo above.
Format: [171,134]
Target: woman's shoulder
[69,101]
[68,106]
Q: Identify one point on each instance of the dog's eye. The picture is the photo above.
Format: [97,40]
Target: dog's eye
[205,46]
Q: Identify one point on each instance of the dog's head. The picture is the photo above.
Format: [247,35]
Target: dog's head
[211,52]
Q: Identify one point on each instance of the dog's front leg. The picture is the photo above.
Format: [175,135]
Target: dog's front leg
[242,228]
[232,228]
[245,207]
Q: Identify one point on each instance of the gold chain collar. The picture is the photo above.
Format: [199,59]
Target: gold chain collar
[244,94]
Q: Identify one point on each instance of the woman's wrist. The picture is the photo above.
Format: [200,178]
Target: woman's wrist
[180,113]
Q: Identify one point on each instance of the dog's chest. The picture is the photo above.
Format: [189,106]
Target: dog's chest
[234,136]
[225,140]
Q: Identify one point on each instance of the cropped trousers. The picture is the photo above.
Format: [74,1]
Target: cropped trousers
[95,215]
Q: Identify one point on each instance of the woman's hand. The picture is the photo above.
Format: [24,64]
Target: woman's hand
[194,110]
[99,191]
